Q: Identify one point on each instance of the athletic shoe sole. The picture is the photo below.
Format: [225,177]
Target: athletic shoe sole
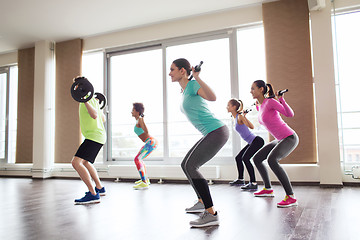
[264,195]
[213,223]
[195,211]
[143,188]
[102,194]
[88,202]
[289,205]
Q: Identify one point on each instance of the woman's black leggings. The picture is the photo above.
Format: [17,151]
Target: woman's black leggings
[274,152]
[245,155]
[204,150]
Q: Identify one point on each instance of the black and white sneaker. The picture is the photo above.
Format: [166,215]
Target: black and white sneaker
[237,182]
[250,186]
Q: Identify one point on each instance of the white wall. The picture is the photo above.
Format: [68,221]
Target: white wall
[8,59]
[194,25]
[346,4]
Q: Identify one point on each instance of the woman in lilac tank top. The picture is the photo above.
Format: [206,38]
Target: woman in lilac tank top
[254,143]
[285,141]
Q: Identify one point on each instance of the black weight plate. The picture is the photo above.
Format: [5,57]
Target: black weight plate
[82,90]
[102,99]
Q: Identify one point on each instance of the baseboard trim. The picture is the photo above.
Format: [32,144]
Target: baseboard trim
[352,184]
[331,185]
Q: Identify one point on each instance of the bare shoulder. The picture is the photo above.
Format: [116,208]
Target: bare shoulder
[240,119]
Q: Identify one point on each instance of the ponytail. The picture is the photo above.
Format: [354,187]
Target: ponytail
[241,106]
[270,91]
[191,76]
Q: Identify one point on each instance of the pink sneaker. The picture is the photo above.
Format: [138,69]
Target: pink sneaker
[288,202]
[264,193]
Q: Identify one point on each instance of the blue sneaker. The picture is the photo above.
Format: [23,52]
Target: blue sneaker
[89,198]
[101,191]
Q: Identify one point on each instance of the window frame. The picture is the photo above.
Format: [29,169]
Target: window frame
[108,54]
[345,160]
[6,70]
[230,34]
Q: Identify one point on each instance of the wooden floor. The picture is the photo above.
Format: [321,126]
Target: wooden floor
[44,209]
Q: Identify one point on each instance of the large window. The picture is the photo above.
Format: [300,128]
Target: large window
[346,40]
[232,60]
[93,69]
[251,67]
[3,112]
[8,113]
[135,77]
[216,73]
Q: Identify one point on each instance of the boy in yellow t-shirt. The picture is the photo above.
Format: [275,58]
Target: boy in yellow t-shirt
[92,127]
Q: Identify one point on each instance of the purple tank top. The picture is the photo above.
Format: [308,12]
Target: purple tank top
[244,132]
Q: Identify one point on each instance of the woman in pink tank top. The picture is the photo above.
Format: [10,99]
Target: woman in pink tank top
[270,107]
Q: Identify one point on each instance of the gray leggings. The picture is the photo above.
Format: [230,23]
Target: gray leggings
[274,152]
[204,150]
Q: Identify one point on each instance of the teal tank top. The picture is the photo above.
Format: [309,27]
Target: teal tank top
[138,130]
[196,110]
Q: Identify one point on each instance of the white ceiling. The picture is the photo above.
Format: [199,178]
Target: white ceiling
[23,22]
